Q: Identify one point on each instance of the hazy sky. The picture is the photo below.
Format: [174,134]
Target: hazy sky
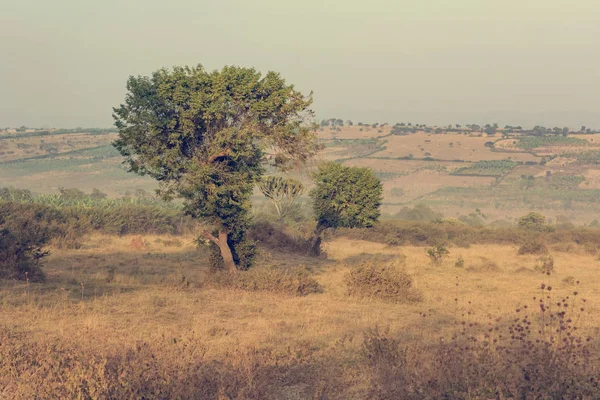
[64,63]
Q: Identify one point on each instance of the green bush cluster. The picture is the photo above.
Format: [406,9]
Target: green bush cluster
[24,232]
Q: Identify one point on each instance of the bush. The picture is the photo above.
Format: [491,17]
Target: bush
[438,253]
[295,281]
[534,246]
[533,221]
[545,265]
[521,357]
[278,238]
[388,282]
[460,262]
[23,235]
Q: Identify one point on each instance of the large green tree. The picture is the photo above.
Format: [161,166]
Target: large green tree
[344,197]
[206,137]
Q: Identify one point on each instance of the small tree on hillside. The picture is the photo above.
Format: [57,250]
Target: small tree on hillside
[206,137]
[344,197]
[533,221]
[282,192]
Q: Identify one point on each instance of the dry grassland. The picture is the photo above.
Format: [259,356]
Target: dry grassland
[109,296]
[128,295]
[446,147]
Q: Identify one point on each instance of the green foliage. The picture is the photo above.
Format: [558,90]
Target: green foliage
[205,135]
[532,142]
[388,282]
[282,192]
[586,157]
[347,197]
[533,221]
[488,168]
[438,253]
[23,234]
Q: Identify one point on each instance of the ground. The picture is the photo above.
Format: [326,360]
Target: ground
[109,293]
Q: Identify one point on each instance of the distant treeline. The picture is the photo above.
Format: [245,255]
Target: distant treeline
[490,129]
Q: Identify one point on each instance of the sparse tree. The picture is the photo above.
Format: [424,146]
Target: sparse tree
[282,192]
[206,136]
[348,197]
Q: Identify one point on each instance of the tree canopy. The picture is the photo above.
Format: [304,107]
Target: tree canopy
[206,137]
[345,197]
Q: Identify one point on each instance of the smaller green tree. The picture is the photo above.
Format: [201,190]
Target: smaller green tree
[344,197]
[282,192]
[533,221]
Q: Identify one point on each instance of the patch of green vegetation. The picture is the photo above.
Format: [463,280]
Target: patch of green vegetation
[60,162]
[386,176]
[532,142]
[487,168]
[90,131]
[349,142]
[586,157]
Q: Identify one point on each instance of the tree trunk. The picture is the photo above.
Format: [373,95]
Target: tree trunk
[315,249]
[226,253]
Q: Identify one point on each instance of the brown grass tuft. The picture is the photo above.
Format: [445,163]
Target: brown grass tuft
[388,282]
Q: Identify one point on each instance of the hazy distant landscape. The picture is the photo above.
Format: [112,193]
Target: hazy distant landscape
[271,200]
[454,171]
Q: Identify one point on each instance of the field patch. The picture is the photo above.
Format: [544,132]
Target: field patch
[487,168]
[38,146]
[411,187]
[446,147]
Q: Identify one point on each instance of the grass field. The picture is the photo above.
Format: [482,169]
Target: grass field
[109,297]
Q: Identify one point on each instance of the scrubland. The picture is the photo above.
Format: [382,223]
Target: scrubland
[144,317]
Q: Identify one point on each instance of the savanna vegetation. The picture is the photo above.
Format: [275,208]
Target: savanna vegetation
[257,270]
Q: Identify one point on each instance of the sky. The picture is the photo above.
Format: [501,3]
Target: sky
[64,63]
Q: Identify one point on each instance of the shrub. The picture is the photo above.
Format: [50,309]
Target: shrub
[438,253]
[460,262]
[532,221]
[295,281]
[280,238]
[538,353]
[23,235]
[545,265]
[388,282]
[533,246]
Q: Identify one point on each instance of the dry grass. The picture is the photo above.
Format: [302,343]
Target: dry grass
[108,297]
[446,147]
